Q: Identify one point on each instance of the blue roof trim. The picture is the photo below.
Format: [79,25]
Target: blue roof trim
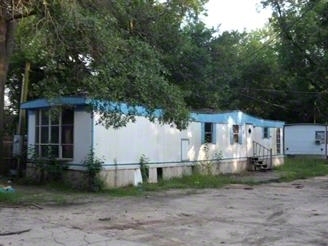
[99,105]
[236,118]
[124,108]
[46,103]
[233,117]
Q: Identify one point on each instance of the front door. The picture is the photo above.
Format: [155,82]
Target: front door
[184,149]
[249,140]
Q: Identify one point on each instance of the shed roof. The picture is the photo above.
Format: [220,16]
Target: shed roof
[232,117]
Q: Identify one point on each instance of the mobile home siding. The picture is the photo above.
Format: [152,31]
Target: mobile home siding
[158,143]
[83,132]
[300,139]
[168,151]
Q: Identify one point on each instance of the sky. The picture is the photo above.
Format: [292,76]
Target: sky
[236,15]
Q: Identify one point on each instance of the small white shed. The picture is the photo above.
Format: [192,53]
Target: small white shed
[305,139]
[229,139]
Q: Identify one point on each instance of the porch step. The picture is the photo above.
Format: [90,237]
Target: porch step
[259,164]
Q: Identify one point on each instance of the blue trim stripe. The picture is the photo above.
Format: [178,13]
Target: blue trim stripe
[105,106]
[233,117]
[236,118]
[46,103]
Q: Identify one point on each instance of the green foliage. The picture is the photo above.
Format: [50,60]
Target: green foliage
[159,54]
[93,167]
[9,197]
[206,165]
[210,162]
[301,34]
[56,193]
[106,50]
[198,181]
[144,169]
[46,168]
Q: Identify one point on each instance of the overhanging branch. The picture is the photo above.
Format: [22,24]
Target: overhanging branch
[21,15]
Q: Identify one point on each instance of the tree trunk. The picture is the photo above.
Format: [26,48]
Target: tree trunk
[6,41]
[3,77]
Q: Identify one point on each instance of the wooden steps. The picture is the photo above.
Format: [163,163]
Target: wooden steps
[259,164]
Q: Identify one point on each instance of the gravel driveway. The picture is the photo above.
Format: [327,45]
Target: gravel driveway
[281,214]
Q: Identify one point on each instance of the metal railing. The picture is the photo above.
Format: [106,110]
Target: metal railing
[263,153]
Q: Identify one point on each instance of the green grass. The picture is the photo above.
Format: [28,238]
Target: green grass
[42,196]
[59,194]
[195,181]
[51,193]
[302,168]
[12,198]
[292,169]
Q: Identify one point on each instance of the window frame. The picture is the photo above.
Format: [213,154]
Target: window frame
[235,133]
[208,133]
[54,135]
[278,140]
[266,132]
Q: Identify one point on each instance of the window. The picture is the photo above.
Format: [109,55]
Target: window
[208,132]
[266,132]
[278,139]
[320,137]
[235,133]
[54,133]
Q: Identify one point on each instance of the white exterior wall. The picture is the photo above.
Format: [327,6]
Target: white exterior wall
[271,141]
[224,145]
[300,139]
[169,151]
[158,143]
[249,133]
[83,124]
[164,144]
[31,119]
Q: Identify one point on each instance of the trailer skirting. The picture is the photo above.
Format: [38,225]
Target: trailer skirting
[120,176]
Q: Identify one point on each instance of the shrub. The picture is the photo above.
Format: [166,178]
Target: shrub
[93,166]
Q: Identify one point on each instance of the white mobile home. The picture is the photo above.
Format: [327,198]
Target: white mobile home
[305,139]
[230,138]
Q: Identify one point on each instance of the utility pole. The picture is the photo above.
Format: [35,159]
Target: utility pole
[19,138]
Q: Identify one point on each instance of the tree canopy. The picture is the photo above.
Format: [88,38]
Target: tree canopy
[301,32]
[113,50]
[159,54]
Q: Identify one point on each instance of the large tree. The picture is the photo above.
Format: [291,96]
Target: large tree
[157,54]
[114,50]
[302,34]
[10,12]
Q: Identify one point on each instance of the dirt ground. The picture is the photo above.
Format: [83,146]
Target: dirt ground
[281,214]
